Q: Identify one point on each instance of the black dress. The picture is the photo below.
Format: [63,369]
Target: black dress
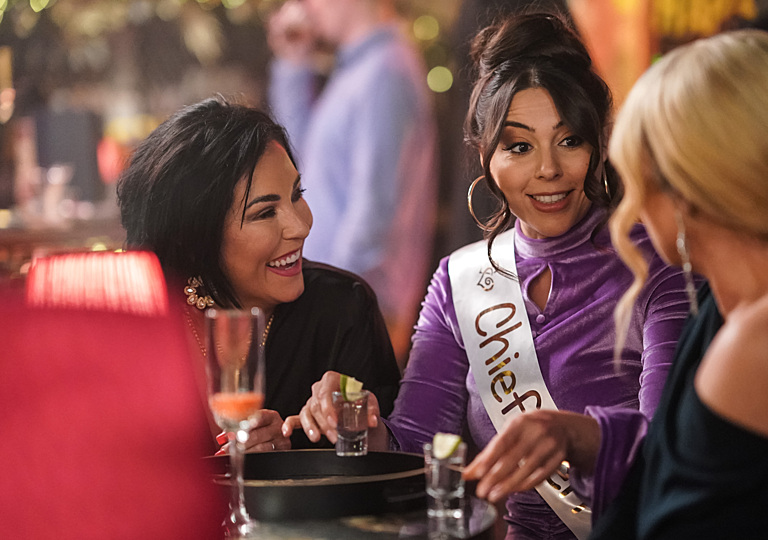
[698,476]
[334,325]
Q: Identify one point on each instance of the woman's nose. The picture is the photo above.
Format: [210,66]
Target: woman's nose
[549,166]
[297,223]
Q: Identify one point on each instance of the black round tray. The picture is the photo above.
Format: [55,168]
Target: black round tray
[317,484]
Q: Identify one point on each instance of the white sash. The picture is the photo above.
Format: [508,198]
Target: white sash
[497,337]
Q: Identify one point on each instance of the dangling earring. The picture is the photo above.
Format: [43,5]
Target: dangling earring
[193,299]
[469,203]
[682,250]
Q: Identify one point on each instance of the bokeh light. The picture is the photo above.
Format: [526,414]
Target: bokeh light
[440,79]
[426,28]
[38,5]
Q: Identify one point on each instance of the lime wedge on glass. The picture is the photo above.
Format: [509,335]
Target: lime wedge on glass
[349,385]
[445,444]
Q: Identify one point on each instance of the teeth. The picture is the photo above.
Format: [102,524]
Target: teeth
[286,261]
[549,199]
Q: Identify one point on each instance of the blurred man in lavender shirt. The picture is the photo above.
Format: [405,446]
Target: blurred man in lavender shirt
[366,142]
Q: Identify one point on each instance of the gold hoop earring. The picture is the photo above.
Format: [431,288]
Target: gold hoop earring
[605,184]
[193,298]
[469,203]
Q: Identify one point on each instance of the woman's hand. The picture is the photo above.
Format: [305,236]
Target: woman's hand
[530,448]
[266,434]
[318,416]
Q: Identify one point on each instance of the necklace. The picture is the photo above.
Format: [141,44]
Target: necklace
[192,327]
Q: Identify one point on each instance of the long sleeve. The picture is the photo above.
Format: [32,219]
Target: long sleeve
[334,325]
[664,307]
[364,350]
[433,395]
[622,432]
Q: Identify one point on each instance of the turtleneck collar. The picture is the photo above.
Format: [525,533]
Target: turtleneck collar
[579,235]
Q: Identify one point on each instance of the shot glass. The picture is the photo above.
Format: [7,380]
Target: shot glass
[352,423]
[445,485]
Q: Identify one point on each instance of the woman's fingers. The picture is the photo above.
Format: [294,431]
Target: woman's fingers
[318,416]
[525,453]
[291,423]
[266,434]
[539,463]
[503,445]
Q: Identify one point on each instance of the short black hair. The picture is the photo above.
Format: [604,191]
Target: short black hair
[179,185]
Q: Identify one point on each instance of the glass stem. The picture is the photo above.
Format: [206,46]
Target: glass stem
[239,515]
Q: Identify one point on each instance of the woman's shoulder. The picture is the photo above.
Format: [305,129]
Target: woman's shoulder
[330,281]
[734,373]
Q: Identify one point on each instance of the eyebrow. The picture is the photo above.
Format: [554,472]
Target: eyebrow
[272,197]
[510,123]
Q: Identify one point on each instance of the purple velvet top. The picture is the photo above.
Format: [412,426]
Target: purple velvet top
[574,339]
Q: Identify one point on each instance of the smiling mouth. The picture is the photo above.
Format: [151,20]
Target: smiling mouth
[549,199]
[286,262]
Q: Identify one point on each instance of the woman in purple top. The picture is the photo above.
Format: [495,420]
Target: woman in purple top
[537,118]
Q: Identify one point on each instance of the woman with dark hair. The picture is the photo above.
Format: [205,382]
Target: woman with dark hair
[522,322]
[215,193]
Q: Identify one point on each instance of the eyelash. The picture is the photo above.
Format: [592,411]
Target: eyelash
[512,147]
[575,140]
[270,211]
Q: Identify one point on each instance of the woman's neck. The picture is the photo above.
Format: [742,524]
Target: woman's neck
[734,264]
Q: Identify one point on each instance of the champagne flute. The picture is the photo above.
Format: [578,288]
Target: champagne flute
[235,370]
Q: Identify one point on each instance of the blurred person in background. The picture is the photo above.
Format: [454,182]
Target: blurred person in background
[215,193]
[366,141]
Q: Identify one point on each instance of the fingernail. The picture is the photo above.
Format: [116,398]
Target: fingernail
[375,420]
[285,431]
[311,433]
[221,438]
[221,452]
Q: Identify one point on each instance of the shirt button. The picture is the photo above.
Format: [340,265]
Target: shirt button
[540,318]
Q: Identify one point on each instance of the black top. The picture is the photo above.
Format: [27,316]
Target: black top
[334,325]
[698,475]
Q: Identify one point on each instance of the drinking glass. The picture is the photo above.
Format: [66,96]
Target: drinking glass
[445,485]
[352,423]
[235,369]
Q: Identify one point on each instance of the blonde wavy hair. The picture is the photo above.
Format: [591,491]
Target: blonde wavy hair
[695,124]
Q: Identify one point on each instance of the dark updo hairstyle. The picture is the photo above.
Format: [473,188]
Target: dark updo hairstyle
[179,185]
[538,50]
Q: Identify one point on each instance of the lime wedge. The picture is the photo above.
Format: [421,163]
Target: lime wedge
[445,444]
[349,385]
